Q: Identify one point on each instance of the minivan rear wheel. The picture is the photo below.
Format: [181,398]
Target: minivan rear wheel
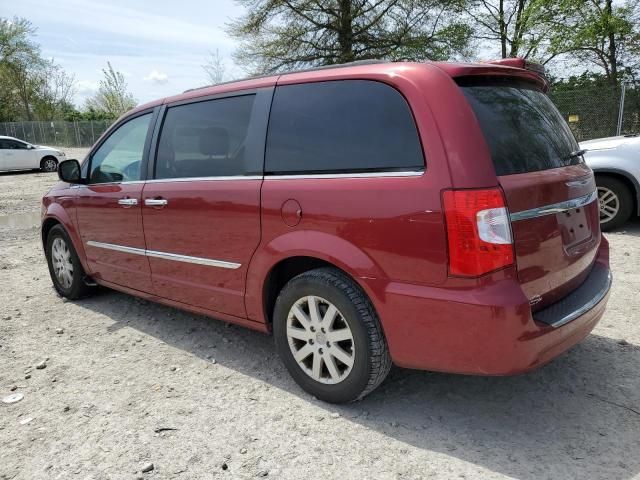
[615,202]
[329,336]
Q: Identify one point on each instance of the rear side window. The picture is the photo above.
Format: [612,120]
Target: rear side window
[205,139]
[523,128]
[341,126]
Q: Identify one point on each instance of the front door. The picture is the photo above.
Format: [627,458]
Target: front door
[201,211]
[109,206]
[16,155]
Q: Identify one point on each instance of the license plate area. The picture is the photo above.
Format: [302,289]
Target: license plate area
[574,227]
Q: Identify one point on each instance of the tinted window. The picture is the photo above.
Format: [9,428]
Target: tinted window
[8,144]
[523,128]
[205,139]
[341,126]
[118,159]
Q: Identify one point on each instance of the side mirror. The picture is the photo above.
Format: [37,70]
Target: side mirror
[69,171]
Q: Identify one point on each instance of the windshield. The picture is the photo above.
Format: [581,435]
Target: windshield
[523,128]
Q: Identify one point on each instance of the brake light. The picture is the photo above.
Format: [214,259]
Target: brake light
[520,63]
[478,231]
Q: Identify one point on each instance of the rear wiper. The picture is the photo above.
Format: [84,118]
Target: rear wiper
[574,157]
[577,153]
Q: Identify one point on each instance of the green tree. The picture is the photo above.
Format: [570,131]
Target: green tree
[20,64]
[521,28]
[287,34]
[55,91]
[112,97]
[604,34]
[30,86]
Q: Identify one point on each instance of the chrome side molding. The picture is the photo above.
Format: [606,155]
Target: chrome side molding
[197,260]
[554,207]
[117,248]
[408,173]
[166,256]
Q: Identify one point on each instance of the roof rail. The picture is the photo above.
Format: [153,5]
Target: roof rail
[303,70]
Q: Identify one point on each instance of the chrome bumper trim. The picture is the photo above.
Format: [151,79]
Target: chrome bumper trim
[166,256]
[579,302]
[587,306]
[554,208]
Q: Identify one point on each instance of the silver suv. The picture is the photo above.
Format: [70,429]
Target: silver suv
[616,164]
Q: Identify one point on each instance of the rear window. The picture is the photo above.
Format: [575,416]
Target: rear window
[523,128]
[341,126]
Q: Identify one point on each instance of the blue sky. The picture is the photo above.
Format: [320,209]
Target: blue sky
[159,45]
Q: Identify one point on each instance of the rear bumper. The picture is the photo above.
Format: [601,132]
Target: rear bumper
[488,329]
[579,302]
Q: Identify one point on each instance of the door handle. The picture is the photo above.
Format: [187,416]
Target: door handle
[155,202]
[128,202]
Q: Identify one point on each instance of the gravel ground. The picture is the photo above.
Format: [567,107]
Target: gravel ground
[21,194]
[127,383]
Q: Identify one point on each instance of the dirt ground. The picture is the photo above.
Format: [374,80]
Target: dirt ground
[127,383]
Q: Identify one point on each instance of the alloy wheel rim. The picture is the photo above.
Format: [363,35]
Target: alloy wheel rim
[61,260]
[320,340]
[49,165]
[609,204]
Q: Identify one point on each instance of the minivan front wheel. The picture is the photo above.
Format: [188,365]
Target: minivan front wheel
[66,271]
[329,336]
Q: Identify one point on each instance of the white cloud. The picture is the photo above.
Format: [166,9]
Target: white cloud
[84,87]
[157,77]
[138,38]
[139,21]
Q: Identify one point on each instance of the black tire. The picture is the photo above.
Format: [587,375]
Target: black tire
[49,164]
[625,200]
[371,362]
[78,288]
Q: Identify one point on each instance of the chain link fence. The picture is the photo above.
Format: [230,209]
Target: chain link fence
[591,113]
[57,133]
[600,112]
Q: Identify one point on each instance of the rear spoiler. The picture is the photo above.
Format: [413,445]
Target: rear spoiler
[523,64]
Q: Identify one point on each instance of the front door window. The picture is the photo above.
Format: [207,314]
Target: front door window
[119,158]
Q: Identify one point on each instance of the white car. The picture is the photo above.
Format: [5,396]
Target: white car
[615,162]
[19,155]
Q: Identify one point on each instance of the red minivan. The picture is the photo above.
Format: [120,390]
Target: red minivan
[436,216]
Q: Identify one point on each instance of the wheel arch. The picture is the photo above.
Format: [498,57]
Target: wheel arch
[294,253]
[282,272]
[56,215]
[628,179]
[47,225]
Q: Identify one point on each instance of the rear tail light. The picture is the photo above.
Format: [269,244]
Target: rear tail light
[478,231]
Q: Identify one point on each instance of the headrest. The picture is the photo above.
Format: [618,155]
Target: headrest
[214,141]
